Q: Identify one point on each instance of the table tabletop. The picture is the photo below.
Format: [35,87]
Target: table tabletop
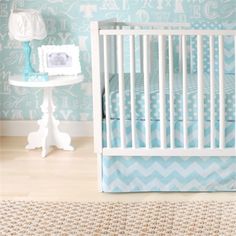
[54,81]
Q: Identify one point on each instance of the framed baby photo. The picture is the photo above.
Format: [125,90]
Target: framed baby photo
[59,59]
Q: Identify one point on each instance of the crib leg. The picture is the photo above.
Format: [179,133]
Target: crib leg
[99,172]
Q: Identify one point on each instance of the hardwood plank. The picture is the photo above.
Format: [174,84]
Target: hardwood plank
[67,176]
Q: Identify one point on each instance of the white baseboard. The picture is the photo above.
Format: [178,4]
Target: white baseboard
[23,128]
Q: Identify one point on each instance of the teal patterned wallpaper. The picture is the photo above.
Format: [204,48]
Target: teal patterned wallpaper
[68,23]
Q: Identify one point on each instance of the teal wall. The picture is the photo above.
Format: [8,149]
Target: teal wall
[68,22]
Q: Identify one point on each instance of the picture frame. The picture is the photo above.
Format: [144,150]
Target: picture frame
[59,59]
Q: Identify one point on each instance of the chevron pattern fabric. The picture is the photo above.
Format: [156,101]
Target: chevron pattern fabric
[138,174]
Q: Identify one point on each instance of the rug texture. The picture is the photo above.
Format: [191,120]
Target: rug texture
[106,218]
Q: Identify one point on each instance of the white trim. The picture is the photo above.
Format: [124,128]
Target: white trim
[97,86]
[156,24]
[24,127]
[169,152]
[99,172]
[54,81]
[113,23]
[168,32]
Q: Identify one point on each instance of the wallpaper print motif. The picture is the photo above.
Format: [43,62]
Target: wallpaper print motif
[67,23]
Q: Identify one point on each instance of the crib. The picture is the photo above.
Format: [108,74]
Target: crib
[164,105]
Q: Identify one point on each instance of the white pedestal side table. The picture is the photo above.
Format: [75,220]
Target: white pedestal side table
[48,133]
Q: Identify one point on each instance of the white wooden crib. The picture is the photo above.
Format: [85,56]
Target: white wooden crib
[117,48]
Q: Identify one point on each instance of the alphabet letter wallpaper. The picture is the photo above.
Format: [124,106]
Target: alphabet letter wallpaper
[68,22]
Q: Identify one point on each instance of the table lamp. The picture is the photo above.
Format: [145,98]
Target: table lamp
[26,25]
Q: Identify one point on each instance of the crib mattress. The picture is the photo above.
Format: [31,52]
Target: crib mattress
[140,174]
[178,97]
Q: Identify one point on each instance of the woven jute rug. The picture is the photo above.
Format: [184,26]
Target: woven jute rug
[106,218]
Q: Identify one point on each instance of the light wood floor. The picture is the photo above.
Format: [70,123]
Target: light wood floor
[66,176]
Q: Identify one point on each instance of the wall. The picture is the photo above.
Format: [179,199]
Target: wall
[68,23]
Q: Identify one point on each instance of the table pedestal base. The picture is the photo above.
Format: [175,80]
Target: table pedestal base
[48,133]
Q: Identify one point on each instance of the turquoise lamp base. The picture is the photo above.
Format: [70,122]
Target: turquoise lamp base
[29,72]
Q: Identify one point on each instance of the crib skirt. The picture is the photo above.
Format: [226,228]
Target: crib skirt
[158,173]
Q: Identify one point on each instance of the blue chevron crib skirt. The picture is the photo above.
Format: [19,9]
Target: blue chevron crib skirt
[142,174]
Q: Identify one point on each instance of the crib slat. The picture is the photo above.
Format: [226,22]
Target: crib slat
[132,88]
[114,54]
[150,53]
[200,92]
[121,88]
[118,27]
[235,86]
[191,54]
[164,48]
[141,52]
[180,54]
[162,92]
[222,92]
[107,89]
[185,98]
[146,90]
[171,83]
[212,88]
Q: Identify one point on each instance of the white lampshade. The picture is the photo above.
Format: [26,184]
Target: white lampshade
[26,25]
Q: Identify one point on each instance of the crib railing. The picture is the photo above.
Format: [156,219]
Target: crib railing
[108,58]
